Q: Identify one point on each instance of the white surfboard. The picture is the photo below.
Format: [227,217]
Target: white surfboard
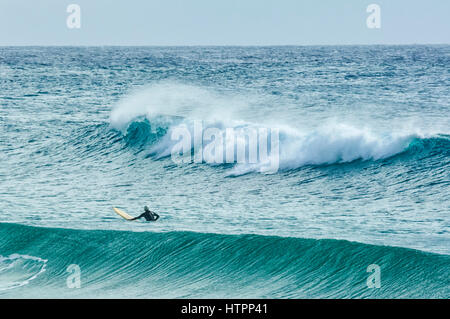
[122,213]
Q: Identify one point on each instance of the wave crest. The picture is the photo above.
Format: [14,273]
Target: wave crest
[149,118]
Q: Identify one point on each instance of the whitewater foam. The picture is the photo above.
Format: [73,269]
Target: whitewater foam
[18,270]
[175,107]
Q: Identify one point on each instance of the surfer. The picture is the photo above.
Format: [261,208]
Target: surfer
[148,215]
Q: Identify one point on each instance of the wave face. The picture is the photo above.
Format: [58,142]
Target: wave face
[196,265]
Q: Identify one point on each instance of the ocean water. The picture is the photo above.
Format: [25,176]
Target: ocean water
[363,175]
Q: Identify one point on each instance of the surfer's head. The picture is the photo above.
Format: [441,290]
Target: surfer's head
[146,208]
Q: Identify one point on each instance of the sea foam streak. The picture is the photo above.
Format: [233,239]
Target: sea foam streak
[18,270]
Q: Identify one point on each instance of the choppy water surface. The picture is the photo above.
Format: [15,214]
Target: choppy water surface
[364,157]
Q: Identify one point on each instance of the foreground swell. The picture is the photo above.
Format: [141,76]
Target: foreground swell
[183,264]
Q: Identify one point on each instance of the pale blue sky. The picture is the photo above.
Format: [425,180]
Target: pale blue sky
[223,22]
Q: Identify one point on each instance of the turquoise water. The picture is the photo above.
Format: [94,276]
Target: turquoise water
[187,264]
[363,172]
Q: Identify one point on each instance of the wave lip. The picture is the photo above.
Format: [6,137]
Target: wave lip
[334,144]
[342,144]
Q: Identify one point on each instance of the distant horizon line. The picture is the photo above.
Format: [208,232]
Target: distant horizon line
[219,45]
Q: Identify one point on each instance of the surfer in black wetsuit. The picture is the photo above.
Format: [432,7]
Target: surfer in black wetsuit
[148,215]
